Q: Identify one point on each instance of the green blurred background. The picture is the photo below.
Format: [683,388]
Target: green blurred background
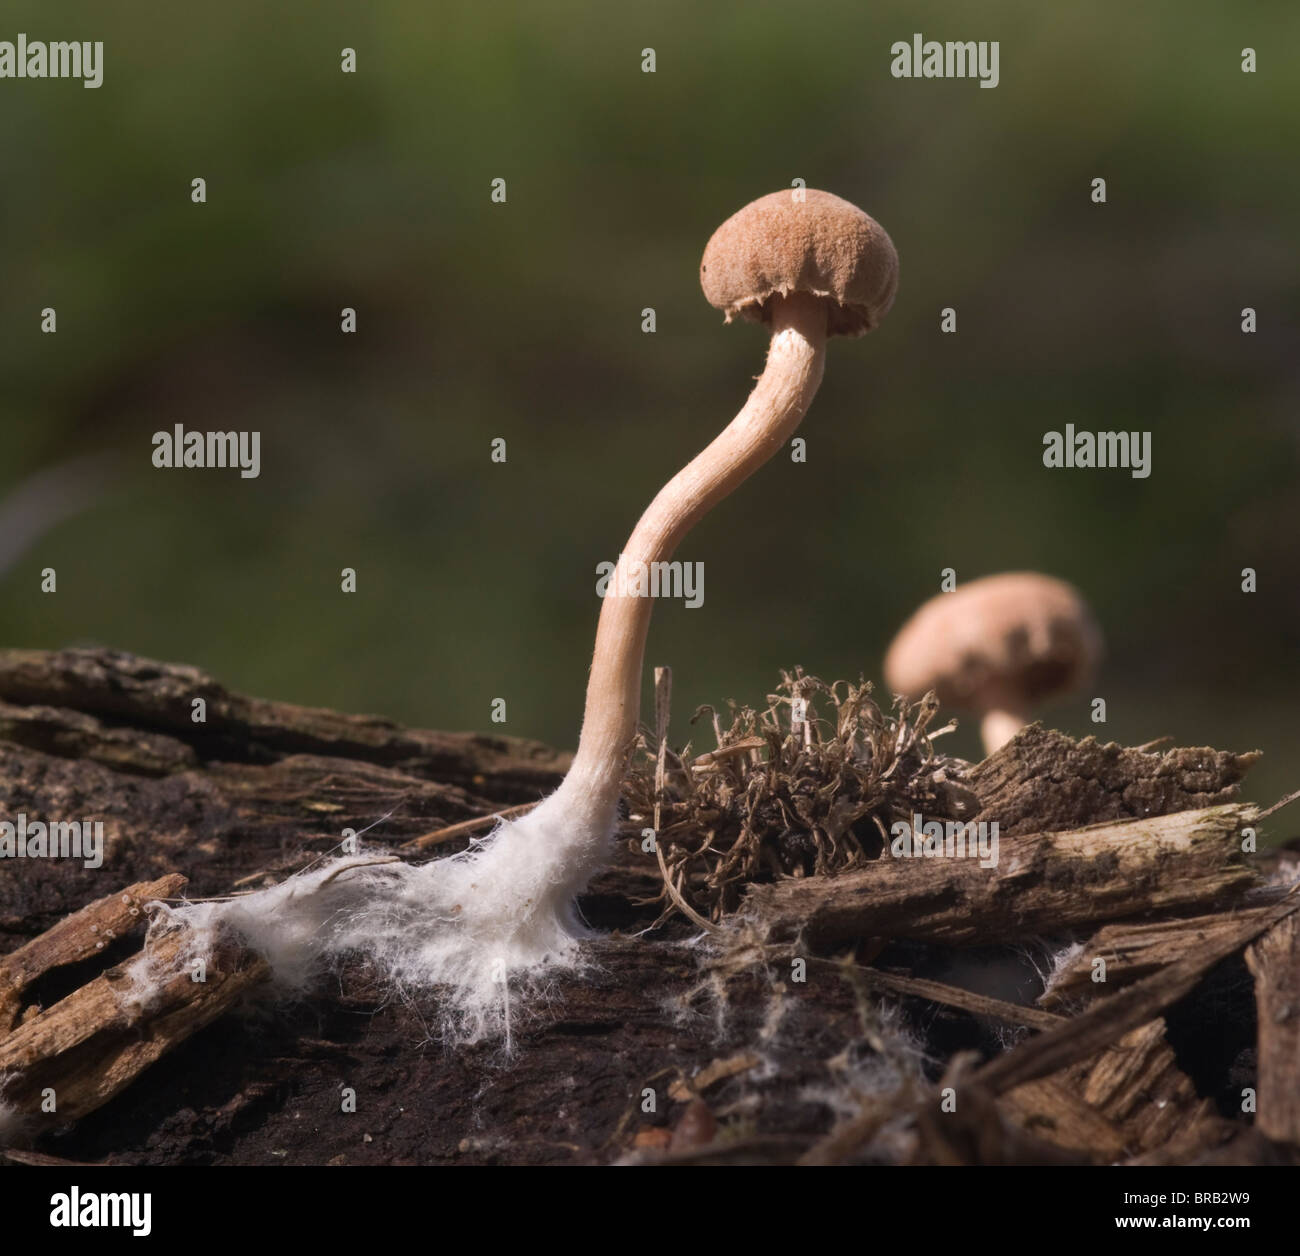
[523,321]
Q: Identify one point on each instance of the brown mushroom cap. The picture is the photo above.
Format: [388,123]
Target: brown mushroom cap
[802,241]
[1004,641]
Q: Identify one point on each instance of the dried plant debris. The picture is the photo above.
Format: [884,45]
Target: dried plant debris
[808,786]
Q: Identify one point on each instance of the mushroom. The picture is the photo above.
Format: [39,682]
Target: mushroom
[809,266]
[997,647]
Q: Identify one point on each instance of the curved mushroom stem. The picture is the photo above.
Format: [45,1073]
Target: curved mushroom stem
[999,727]
[508,905]
[796,359]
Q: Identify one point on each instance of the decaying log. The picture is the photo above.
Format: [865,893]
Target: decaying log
[743,953]
[1045,883]
[117,689]
[981,1130]
[1137,1085]
[91,1045]
[78,937]
[100,735]
[1274,961]
[1051,1110]
[1131,951]
[261,788]
[1042,781]
[952,996]
[1108,1019]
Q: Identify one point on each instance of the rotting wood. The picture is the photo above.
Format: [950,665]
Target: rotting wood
[77,937]
[1051,1110]
[74,735]
[977,1131]
[1137,1084]
[1133,950]
[1044,884]
[260,792]
[91,1045]
[115,688]
[1043,781]
[980,1130]
[96,734]
[1274,962]
[930,991]
[1108,1019]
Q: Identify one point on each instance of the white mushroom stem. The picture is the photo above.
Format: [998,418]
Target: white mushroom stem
[999,727]
[796,358]
[484,925]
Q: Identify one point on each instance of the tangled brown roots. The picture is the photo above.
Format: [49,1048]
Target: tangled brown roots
[792,790]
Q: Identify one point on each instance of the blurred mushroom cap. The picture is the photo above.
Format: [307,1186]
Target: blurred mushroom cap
[802,240]
[1005,641]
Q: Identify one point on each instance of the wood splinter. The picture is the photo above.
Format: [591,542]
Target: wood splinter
[62,1062]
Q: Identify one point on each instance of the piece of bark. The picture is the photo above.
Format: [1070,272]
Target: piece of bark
[940,993]
[1274,962]
[40,1160]
[1108,1020]
[159,697]
[1099,1085]
[1132,951]
[1129,1100]
[1218,1143]
[1052,1110]
[91,1045]
[95,735]
[1044,884]
[976,1129]
[75,735]
[77,937]
[1037,1124]
[1043,781]
[1137,1084]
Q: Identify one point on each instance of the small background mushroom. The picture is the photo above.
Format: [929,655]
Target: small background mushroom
[998,647]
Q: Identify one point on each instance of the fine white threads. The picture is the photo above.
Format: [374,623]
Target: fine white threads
[466,928]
